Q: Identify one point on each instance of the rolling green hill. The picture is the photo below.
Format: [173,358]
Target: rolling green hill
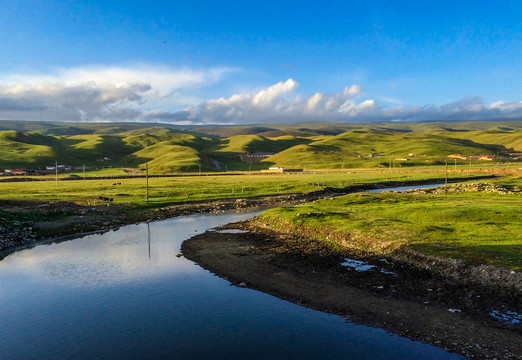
[373,148]
[510,139]
[165,157]
[325,146]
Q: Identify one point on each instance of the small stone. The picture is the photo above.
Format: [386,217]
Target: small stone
[242,284]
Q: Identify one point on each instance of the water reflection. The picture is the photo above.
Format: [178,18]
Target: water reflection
[125,294]
[132,252]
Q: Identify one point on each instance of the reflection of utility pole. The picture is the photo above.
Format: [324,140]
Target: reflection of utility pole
[147,177]
[148,236]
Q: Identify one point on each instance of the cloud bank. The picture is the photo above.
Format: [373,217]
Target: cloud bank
[99,93]
[149,94]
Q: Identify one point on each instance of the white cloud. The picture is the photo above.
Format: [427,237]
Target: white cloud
[313,101]
[277,103]
[162,79]
[99,93]
[146,93]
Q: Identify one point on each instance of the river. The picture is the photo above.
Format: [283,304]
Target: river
[126,295]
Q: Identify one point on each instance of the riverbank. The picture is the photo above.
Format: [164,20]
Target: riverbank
[438,265]
[452,313]
[25,223]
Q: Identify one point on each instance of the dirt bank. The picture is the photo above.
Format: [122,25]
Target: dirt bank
[401,299]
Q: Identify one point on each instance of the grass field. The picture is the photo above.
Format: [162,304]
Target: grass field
[188,188]
[481,228]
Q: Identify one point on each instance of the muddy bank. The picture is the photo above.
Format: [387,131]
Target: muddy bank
[401,299]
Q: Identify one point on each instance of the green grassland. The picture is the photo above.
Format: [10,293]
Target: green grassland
[170,149]
[481,228]
[166,190]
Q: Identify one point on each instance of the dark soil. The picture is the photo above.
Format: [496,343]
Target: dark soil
[445,312]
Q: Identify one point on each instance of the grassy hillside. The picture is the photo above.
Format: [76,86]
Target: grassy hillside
[510,139]
[324,146]
[165,157]
[353,149]
[30,150]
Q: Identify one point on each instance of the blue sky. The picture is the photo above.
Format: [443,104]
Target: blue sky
[259,61]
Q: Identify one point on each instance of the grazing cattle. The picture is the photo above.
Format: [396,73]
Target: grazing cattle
[105,199]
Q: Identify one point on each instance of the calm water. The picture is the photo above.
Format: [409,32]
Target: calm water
[400,188]
[109,297]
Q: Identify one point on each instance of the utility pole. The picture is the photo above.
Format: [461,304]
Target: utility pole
[56,171]
[147,177]
[455,164]
[83,172]
[199,169]
[446,173]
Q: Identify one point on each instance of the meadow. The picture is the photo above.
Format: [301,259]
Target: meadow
[166,190]
[479,227]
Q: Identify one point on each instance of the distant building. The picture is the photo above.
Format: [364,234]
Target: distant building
[486,157]
[457,156]
[19,171]
[275,169]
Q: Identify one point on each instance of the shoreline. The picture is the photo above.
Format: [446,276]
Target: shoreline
[402,300]
[85,219]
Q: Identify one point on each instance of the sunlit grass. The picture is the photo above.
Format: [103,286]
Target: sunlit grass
[164,190]
[482,228]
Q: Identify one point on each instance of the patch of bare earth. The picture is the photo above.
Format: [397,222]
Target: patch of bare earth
[398,298]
